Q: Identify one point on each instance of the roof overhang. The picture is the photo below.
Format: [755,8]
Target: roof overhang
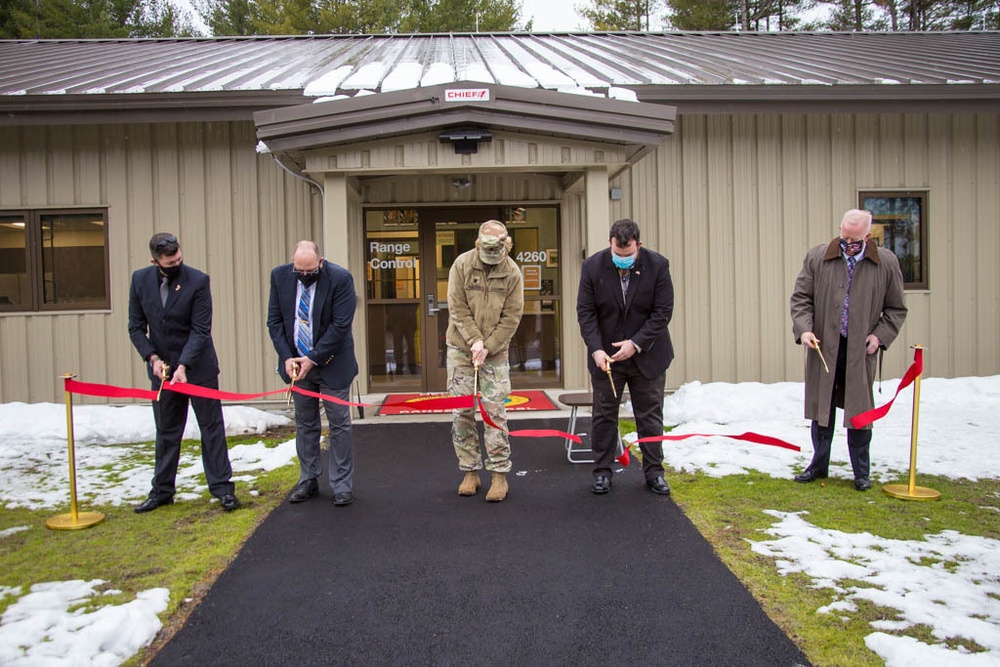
[635,125]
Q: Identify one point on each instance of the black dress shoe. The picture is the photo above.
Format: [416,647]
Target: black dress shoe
[152,503]
[659,486]
[602,484]
[303,491]
[343,499]
[808,475]
[862,484]
[229,502]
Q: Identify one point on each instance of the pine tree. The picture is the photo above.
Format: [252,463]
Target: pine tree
[463,16]
[619,14]
[90,19]
[701,14]
[229,17]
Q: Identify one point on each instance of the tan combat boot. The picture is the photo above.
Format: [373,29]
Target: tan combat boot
[498,489]
[469,483]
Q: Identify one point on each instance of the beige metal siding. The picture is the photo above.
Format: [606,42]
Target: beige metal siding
[734,201]
[497,188]
[741,198]
[236,213]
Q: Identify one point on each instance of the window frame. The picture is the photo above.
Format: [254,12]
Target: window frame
[33,260]
[924,197]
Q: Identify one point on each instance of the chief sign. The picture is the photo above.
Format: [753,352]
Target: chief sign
[467,95]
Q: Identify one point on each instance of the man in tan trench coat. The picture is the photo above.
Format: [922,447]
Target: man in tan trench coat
[848,303]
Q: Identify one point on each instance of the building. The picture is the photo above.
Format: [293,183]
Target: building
[735,152]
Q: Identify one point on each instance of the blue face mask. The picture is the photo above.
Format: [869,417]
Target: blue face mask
[623,262]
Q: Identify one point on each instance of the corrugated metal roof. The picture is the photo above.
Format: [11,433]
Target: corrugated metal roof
[345,65]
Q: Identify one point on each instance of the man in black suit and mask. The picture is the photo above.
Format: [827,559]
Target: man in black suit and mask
[309,317]
[625,303]
[170,324]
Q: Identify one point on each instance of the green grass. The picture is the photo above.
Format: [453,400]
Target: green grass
[728,512]
[184,547]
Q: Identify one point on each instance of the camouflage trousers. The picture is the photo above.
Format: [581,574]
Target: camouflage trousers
[494,385]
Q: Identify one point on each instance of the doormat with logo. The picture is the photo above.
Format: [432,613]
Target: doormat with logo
[517,400]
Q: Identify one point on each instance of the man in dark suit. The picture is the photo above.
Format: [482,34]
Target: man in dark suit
[309,317]
[170,324]
[625,303]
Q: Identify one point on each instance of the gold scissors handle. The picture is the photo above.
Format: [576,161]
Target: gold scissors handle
[607,369]
[295,376]
[818,351]
[164,369]
[475,383]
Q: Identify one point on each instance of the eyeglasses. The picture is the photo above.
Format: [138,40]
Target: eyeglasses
[165,242]
[313,272]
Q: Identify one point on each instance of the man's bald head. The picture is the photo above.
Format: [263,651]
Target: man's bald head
[856,225]
[306,256]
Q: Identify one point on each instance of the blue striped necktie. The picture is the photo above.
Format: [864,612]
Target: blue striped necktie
[303,332]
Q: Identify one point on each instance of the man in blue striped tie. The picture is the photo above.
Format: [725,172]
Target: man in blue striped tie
[309,317]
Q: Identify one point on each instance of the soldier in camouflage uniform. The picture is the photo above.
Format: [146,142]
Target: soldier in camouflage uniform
[485,302]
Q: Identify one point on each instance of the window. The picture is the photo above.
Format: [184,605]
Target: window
[54,260]
[899,223]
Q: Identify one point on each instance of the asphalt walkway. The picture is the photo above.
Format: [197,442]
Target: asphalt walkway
[413,574]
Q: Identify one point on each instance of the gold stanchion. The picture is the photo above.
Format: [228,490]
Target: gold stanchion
[911,491]
[74,520]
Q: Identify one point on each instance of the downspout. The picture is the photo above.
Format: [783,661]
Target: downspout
[263,148]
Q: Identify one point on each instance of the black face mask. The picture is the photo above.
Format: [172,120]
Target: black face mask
[171,272]
[308,279]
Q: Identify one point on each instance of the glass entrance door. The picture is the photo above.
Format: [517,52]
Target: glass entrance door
[448,233]
[393,300]
[408,255]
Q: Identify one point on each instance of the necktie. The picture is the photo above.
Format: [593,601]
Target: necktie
[624,274]
[303,330]
[851,262]
[164,291]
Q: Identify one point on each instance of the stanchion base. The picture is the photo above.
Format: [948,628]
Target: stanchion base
[903,491]
[83,520]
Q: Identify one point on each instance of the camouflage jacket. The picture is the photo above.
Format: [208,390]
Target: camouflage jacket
[483,306]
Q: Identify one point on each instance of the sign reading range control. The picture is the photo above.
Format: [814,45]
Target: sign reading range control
[467,95]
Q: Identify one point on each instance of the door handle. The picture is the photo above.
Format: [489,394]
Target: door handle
[432,308]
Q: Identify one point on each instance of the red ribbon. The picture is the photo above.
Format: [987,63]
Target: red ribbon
[429,404]
[442,403]
[107,390]
[204,392]
[914,371]
[749,436]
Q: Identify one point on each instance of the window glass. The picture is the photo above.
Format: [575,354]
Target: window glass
[899,223]
[54,260]
[74,259]
[392,280]
[15,281]
[534,351]
[392,254]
